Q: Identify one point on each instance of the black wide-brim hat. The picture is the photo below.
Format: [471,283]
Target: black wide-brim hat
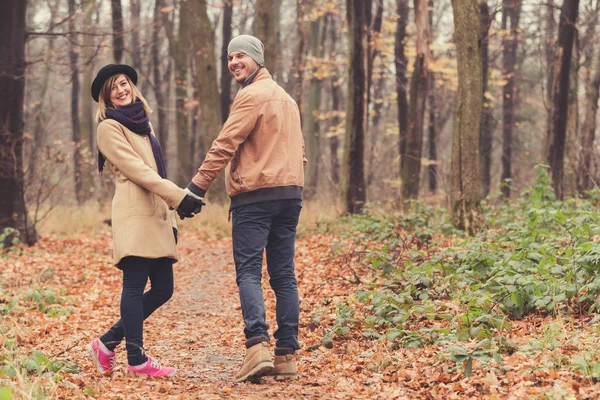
[108,71]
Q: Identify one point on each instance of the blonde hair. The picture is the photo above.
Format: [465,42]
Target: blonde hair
[104,97]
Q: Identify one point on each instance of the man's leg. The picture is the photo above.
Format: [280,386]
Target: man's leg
[280,264]
[250,229]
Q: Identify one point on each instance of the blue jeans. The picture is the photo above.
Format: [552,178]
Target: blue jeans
[269,225]
[136,305]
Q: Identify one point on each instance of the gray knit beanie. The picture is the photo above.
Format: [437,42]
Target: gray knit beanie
[249,45]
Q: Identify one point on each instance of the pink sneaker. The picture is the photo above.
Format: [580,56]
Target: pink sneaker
[151,368]
[105,362]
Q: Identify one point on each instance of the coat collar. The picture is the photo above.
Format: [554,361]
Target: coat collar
[261,75]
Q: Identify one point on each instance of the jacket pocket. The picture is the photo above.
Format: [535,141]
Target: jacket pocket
[141,201]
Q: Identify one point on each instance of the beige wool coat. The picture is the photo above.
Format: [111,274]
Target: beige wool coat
[142,224]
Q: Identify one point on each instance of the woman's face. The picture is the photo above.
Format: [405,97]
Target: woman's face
[121,93]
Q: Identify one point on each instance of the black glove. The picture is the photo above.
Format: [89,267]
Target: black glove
[189,206]
[175,234]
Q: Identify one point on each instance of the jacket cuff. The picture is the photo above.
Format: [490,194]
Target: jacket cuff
[196,190]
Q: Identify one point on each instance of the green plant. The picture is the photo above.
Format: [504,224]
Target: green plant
[46,302]
[483,351]
[9,238]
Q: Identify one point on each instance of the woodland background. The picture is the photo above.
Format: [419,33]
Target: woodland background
[378,82]
[449,244]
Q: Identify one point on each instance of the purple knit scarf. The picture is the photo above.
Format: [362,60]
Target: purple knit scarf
[134,117]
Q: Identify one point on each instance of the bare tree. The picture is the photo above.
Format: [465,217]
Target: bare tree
[376,94]
[354,187]
[75,87]
[465,194]
[136,51]
[311,126]
[87,126]
[179,48]
[267,30]
[117,25]
[486,132]
[401,65]
[336,105]
[299,56]
[13,212]
[225,75]
[206,83]
[560,89]
[510,24]
[549,50]
[161,100]
[410,164]
[588,134]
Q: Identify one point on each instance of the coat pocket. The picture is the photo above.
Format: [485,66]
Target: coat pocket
[141,201]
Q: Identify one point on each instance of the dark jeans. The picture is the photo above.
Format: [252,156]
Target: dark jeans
[136,305]
[269,225]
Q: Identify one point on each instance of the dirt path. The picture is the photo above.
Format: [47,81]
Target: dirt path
[200,331]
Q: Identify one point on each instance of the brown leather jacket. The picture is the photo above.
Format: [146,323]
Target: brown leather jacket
[263,140]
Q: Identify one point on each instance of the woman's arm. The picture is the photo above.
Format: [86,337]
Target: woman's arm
[118,151]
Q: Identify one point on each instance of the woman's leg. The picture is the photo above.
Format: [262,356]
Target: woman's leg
[161,285]
[160,272]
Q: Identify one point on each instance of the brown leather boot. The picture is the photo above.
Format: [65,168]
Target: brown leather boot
[285,367]
[257,363]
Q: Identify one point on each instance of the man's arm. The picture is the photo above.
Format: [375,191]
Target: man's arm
[239,124]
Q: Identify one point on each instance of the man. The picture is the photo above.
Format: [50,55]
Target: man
[262,146]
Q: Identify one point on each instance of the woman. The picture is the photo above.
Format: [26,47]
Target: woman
[144,229]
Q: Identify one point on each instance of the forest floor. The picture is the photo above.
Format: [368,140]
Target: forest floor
[58,295]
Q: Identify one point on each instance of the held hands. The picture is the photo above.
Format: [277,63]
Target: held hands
[190,205]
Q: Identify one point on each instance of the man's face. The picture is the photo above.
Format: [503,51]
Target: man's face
[241,66]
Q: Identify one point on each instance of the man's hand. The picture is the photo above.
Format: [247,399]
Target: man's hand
[189,206]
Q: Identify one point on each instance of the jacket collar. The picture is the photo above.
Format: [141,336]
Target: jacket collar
[258,75]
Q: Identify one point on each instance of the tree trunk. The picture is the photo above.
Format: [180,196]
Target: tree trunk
[203,35]
[432,129]
[40,128]
[410,164]
[432,137]
[161,103]
[267,30]
[75,126]
[486,132]
[88,131]
[117,26]
[588,131]
[401,81]
[510,25]
[298,82]
[359,19]
[465,193]
[180,50]
[560,94]
[336,107]
[13,212]
[375,97]
[225,75]
[549,49]
[136,52]
[571,151]
[311,126]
